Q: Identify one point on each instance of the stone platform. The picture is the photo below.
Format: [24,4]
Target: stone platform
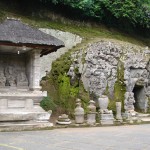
[20,126]
[21,107]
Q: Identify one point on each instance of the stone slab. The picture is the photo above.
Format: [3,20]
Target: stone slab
[24,116]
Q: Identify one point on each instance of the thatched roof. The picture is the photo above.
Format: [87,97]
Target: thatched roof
[15,33]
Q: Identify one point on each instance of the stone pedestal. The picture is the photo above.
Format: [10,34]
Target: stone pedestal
[106,119]
[79,113]
[63,120]
[17,106]
[91,118]
[106,116]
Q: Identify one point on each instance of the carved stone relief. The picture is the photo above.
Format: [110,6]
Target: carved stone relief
[99,71]
[12,71]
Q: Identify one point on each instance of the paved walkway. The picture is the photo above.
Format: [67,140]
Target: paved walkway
[136,137]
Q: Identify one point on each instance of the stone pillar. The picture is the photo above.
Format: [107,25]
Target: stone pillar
[36,65]
[118,111]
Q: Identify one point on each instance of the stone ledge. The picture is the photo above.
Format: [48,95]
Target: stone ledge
[20,126]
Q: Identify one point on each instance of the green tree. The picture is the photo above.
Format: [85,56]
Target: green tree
[137,12]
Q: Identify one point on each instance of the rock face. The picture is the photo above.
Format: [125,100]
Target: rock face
[99,71]
[69,39]
[100,68]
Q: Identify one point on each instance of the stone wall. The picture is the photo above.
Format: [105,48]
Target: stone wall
[69,39]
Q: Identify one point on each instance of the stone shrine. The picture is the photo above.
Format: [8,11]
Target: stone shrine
[20,50]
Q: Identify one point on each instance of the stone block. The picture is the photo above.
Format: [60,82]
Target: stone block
[106,119]
[16,103]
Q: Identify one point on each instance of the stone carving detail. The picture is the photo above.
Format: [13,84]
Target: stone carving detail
[129,101]
[136,76]
[101,60]
[99,70]
[12,72]
[22,79]
[2,78]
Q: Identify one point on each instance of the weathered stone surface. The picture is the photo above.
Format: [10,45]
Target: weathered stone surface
[63,120]
[118,111]
[12,71]
[99,71]
[20,93]
[69,39]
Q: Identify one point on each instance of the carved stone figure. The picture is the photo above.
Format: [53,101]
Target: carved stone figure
[22,79]
[10,76]
[2,79]
[129,101]
[71,73]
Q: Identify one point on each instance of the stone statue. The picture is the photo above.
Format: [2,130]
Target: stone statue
[10,76]
[71,73]
[22,79]
[2,79]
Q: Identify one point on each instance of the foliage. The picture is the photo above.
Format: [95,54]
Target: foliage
[133,11]
[59,86]
[48,104]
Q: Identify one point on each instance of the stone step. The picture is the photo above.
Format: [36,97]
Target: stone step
[143,115]
[145,119]
[20,126]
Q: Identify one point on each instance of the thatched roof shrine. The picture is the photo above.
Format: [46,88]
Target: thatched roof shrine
[15,33]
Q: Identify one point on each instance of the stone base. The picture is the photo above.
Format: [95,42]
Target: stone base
[79,119]
[15,115]
[106,119]
[20,126]
[131,117]
[17,106]
[91,118]
[63,123]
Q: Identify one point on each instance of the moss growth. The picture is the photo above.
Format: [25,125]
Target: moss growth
[119,89]
[60,89]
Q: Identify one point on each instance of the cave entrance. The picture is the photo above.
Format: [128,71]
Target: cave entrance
[139,96]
